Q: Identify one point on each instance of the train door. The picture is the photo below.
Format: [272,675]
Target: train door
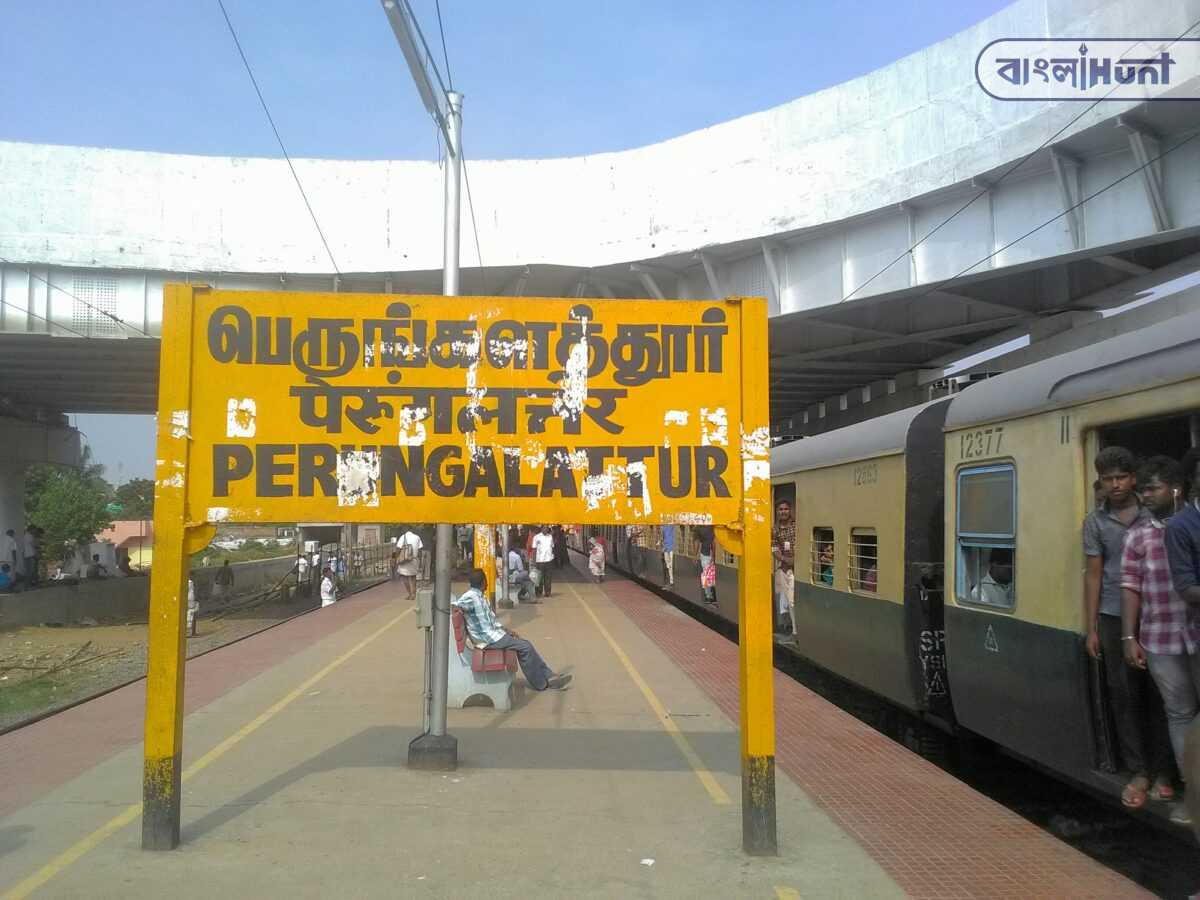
[1171,436]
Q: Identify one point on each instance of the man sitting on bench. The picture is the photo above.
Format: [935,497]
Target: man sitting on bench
[485,631]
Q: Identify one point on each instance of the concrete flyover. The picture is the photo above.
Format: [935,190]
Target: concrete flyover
[815,203]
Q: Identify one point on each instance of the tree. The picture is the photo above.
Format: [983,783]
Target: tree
[137,496]
[69,505]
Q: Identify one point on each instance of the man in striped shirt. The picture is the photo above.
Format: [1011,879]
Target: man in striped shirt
[486,631]
[1159,630]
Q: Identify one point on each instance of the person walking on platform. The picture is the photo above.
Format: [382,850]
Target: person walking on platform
[706,543]
[667,539]
[486,631]
[408,562]
[1129,689]
[596,558]
[543,556]
[301,571]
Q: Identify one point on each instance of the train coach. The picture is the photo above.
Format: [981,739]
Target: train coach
[938,553]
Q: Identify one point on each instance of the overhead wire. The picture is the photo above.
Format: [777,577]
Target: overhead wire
[471,209]
[445,55]
[466,170]
[1017,165]
[279,139]
[1016,319]
[62,290]
[941,285]
[52,324]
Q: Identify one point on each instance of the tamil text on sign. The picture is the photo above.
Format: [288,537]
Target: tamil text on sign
[357,407]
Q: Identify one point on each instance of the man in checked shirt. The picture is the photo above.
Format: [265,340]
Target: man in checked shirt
[486,631]
[1160,632]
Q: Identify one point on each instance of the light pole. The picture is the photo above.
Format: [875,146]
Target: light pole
[435,749]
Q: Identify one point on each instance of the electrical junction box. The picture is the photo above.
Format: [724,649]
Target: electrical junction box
[425,607]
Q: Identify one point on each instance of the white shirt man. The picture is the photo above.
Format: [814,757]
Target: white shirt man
[328,591]
[543,555]
[302,567]
[409,544]
[408,549]
[543,548]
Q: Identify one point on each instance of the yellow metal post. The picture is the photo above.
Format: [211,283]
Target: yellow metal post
[168,580]
[756,646]
[485,557]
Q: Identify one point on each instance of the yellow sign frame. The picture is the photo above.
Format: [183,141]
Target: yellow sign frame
[196,401]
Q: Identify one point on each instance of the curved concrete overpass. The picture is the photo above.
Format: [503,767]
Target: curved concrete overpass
[808,203]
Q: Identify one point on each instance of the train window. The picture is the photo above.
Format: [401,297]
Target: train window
[864,560]
[821,564]
[986,536]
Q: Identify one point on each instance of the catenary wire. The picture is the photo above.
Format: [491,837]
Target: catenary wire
[104,312]
[445,55]
[466,170]
[278,138]
[1018,164]
[30,312]
[1092,196]
[1017,318]
[474,224]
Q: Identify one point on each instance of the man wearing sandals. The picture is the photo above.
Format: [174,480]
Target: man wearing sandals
[1138,718]
[1159,632]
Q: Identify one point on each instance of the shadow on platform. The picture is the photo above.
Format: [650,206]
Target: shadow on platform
[483,749]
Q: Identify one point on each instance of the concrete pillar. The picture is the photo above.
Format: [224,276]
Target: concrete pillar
[24,444]
[12,494]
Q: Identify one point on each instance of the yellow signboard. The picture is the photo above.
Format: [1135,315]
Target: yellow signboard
[355,408]
[361,407]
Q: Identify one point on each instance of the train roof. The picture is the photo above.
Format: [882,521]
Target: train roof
[879,436]
[1157,354]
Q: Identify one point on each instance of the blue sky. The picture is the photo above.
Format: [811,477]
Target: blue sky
[541,78]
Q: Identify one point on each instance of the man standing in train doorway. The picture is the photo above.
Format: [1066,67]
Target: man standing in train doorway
[1130,691]
[1159,630]
[783,549]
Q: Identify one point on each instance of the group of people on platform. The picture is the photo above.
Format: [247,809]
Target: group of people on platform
[1142,611]
[534,552]
[639,539]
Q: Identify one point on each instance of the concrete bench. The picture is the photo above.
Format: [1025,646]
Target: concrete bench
[477,673]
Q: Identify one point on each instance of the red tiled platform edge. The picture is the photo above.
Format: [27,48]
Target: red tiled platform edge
[937,837]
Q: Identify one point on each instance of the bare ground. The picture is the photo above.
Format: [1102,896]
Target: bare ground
[44,668]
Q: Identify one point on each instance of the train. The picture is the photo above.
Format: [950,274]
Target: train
[898,517]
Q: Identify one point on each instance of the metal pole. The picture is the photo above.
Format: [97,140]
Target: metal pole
[504,600]
[436,749]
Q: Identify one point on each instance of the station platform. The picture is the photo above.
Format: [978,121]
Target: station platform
[627,784]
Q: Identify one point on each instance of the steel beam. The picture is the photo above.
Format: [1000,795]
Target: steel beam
[1145,146]
[920,337]
[1068,173]
[648,281]
[710,272]
[1122,265]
